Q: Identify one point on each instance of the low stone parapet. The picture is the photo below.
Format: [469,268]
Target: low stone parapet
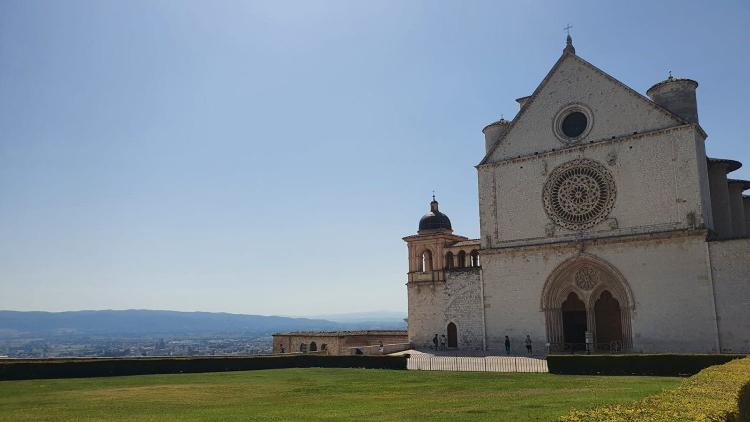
[379,350]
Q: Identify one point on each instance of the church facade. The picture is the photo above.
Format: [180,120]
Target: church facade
[603,225]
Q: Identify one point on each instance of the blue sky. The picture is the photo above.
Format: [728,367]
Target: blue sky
[267,157]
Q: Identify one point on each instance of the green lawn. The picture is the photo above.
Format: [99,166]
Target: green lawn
[319,394]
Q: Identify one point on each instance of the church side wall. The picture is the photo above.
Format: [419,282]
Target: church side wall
[704,182]
[668,279]
[487,206]
[730,264]
[464,307]
[658,179]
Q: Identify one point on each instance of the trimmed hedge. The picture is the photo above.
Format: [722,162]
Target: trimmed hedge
[84,368]
[635,364]
[718,393]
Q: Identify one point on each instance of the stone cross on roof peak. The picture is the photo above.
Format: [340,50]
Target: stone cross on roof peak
[569,40]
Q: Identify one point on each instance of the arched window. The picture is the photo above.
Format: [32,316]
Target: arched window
[449,260]
[461,259]
[303,348]
[474,258]
[323,347]
[426,264]
[313,347]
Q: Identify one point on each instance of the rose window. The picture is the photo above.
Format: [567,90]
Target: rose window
[579,194]
[586,278]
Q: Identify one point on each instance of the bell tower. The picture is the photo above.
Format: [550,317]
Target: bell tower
[443,284]
[427,262]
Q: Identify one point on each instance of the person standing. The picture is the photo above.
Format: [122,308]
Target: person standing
[443,343]
[507,345]
[435,342]
[528,344]
[282,348]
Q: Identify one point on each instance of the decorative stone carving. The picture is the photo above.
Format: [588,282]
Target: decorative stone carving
[579,194]
[586,278]
[612,158]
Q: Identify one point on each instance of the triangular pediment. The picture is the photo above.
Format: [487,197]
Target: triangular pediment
[613,109]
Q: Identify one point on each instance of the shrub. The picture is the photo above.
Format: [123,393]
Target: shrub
[80,368]
[718,393]
[635,364]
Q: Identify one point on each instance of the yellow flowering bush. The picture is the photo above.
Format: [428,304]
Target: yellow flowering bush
[719,393]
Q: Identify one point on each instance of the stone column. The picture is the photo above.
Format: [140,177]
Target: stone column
[737,207]
[553,317]
[720,206]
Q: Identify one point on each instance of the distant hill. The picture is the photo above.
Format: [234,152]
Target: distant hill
[136,323]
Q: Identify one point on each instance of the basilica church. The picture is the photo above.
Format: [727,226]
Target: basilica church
[603,226]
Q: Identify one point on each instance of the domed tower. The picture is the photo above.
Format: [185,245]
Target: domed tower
[434,221]
[443,284]
[428,247]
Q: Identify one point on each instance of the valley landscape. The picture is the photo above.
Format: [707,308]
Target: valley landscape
[132,333]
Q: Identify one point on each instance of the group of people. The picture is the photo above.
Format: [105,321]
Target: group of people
[441,344]
[526,342]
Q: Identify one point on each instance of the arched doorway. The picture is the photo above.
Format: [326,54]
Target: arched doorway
[313,347]
[587,293]
[452,335]
[608,323]
[574,323]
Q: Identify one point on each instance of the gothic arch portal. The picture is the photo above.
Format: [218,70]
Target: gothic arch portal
[607,298]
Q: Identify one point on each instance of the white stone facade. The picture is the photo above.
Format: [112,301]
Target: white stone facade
[642,247]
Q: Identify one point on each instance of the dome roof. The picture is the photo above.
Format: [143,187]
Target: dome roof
[434,220]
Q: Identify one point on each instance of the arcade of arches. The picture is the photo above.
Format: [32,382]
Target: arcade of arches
[587,295]
[457,261]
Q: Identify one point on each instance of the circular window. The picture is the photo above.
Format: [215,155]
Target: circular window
[579,194]
[573,123]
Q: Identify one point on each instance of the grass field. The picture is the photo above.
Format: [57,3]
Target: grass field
[319,394]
